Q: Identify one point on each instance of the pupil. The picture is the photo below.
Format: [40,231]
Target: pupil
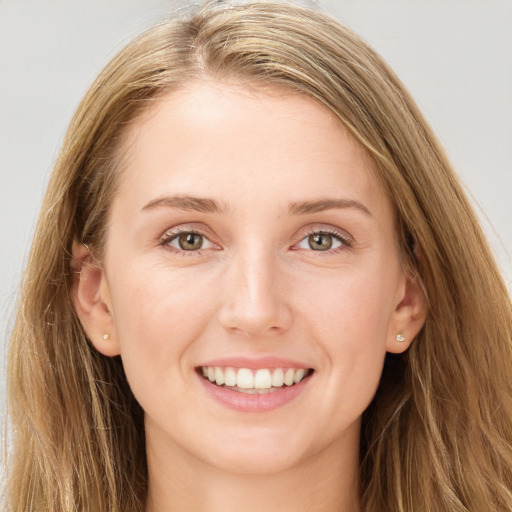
[320,242]
[190,241]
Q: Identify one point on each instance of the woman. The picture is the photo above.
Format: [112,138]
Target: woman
[257,285]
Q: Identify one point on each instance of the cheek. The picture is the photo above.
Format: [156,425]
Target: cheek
[350,323]
[158,316]
[349,307]
[159,301]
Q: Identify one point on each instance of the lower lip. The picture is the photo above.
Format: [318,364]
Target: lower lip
[258,402]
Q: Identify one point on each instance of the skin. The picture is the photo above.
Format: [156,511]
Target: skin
[257,287]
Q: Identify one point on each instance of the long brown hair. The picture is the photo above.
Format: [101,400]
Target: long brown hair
[438,434]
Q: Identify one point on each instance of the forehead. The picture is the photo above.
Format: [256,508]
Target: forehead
[213,136]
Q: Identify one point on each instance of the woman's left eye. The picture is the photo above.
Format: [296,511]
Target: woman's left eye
[188,241]
[322,242]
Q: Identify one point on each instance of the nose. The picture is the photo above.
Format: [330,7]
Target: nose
[254,301]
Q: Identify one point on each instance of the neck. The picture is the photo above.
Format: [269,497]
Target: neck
[323,482]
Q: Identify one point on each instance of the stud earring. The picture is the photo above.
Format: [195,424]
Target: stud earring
[400,337]
[106,336]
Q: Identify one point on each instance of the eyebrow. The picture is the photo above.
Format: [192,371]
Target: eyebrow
[187,203]
[308,207]
[207,205]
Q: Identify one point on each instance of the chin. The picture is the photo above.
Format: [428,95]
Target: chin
[246,462]
[255,451]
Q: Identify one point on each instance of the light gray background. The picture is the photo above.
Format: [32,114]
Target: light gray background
[454,55]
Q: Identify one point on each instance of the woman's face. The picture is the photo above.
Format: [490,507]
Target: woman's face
[249,232]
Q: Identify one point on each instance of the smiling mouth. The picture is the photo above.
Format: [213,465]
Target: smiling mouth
[259,381]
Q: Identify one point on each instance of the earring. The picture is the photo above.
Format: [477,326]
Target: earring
[106,336]
[400,337]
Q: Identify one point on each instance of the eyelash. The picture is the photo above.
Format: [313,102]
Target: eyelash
[345,240]
[169,236]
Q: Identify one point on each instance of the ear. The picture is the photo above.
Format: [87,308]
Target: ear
[92,302]
[409,315]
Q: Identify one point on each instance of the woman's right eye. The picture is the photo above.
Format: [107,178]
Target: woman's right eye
[189,241]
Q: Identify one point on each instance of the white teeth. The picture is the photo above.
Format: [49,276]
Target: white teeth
[278,378]
[230,377]
[288,376]
[245,379]
[299,375]
[219,376]
[261,380]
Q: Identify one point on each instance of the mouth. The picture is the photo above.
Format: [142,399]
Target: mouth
[254,381]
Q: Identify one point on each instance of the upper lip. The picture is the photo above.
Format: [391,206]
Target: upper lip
[255,363]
